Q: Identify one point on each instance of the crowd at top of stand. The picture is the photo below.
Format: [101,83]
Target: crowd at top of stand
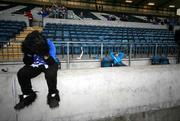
[162,21]
[54,11]
[148,19]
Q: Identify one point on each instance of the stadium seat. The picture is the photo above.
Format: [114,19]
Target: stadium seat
[141,37]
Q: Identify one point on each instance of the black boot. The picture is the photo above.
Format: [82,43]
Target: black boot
[53,100]
[25,101]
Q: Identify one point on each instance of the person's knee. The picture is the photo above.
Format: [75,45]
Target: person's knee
[20,73]
[51,74]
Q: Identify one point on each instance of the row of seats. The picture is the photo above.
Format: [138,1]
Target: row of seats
[109,32]
[9,29]
[89,39]
[82,33]
[54,26]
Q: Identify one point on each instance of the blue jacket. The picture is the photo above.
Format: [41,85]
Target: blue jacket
[52,50]
[118,59]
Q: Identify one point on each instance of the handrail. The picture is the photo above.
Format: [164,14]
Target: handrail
[99,42]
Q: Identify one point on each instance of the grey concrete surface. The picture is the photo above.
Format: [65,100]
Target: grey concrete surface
[90,94]
[169,114]
[6,98]
[82,64]
[7,14]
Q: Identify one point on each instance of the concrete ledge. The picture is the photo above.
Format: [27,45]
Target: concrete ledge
[90,94]
[83,64]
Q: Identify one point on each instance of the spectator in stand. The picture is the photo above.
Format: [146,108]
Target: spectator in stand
[58,11]
[44,12]
[30,17]
[64,12]
[177,39]
[107,61]
[81,15]
[123,17]
[117,58]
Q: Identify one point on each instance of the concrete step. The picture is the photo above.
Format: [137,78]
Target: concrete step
[20,39]
[21,36]
[10,50]
[11,57]
[15,44]
[34,28]
[28,30]
[10,54]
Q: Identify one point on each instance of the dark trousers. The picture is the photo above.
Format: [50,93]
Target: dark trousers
[26,73]
[119,64]
[30,22]
[178,54]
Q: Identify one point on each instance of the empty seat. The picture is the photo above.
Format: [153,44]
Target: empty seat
[111,37]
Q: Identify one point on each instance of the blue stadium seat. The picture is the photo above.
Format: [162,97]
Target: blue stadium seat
[144,39]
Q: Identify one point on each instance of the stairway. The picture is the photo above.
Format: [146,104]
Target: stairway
[12,50]
[28,30]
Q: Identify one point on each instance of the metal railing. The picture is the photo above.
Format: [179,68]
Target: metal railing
[97,50]
[68,51]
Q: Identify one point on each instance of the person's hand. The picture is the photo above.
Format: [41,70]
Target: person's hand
[46,57]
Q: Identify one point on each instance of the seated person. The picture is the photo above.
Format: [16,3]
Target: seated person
[107,61]
[117,58]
